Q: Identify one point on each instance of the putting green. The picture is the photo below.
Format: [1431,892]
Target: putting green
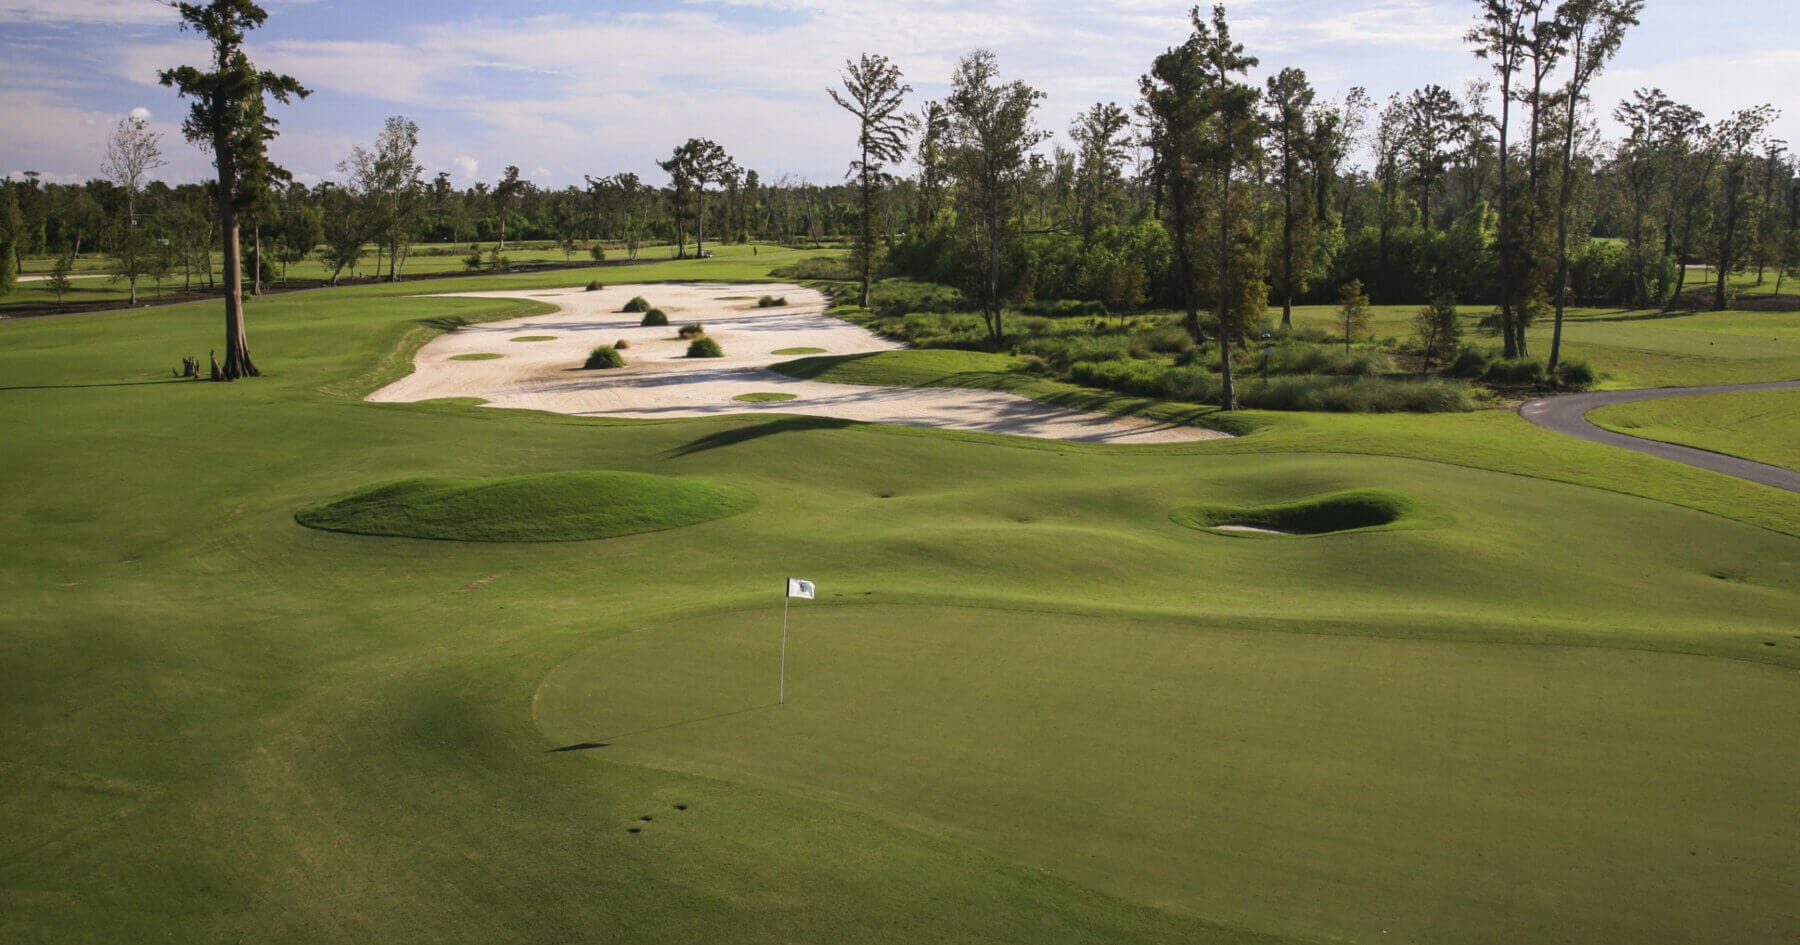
[1306,785]
[562,506]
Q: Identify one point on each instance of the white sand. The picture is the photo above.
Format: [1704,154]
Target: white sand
[1251,529]
[660,381]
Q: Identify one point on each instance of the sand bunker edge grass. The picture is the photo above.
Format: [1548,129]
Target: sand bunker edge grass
[1332,513]
[539,507]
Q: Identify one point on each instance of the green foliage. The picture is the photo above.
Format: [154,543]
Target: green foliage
[9,273]
[769,301]
[561,506]
[1516,372]
[595,286]
[1438,331]
[637,304]
[689,332]
[654,318]
[1472,361]
[604,357]
[798,351]
[597,251]
[705,348]
[1353,312]
[1575,374]
[471,262]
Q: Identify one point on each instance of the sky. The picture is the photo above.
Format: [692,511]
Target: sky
[563,88]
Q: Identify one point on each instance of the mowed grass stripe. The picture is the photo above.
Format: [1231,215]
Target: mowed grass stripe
[1308,785]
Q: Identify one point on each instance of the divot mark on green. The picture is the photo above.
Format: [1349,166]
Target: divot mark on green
[559,506]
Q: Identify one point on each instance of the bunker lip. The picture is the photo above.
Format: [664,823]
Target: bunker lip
[660,381]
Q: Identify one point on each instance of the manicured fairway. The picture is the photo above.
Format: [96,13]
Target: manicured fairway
[1312,785]
[1763,425]
[1028,707]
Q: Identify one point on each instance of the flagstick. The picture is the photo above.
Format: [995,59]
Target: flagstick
[781,693]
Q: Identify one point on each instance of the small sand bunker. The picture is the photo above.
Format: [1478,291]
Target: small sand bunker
[660,380]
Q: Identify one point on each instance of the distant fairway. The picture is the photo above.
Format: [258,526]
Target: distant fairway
[1316,786]
[1030,706]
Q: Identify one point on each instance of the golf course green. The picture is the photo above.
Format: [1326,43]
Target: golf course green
[1511,687]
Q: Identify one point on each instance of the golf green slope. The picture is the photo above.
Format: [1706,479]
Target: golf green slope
[1759,425]
[1028,706]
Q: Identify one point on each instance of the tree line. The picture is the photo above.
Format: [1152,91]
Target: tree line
[1208,193]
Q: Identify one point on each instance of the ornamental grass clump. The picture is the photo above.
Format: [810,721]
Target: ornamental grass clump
[637,304]
[604,358]
[690,332]
[705,348]
[654,318]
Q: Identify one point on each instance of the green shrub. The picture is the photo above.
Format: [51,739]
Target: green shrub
[705,348]
[1471,362]
[770,301]
[689,332]
[604,357]
[1575,374]
[1334,360]
[598,252]
[473,261]
[819,268]
[1520,371]
[1356,395]
[595,285]
[654,318]
[637,304]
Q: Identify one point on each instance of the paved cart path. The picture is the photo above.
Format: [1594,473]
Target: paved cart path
[1568,414]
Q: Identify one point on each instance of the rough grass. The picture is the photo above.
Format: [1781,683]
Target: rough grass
[564,506]
[1758,425]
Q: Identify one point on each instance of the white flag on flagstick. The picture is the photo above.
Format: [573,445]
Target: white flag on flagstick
[799,588]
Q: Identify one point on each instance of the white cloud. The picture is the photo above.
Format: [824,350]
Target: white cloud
[141,113]
[74,12]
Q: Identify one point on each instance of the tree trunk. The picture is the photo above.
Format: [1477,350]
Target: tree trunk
[868,230]
[1287,242]
[237,346]
[1565,196]
[1508,226]
[256,259]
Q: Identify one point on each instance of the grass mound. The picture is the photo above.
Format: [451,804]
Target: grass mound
[483,356]
[1350,510]
[535,338]
[603,358]
[763,397]
[637,304]
[561,506]
[654,318]
[705,348]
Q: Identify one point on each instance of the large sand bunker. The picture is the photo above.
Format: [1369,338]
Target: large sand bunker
[660,381]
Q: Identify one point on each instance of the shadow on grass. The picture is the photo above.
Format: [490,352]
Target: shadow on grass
[584,746]
[757,431]
[156,383]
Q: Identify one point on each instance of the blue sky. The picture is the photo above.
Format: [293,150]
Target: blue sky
[563,87]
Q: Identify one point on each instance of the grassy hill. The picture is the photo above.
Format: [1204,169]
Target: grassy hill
[1028,705]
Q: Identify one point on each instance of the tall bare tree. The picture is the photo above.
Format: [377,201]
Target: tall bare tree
[1592,32]
[1501,39]
[1290,100]
[873,93]
[230,117]
[132,152]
